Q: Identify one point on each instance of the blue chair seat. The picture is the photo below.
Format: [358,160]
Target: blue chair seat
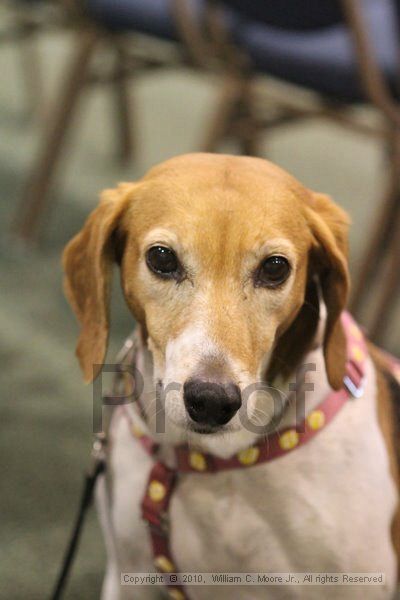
[323,60]
[153,17]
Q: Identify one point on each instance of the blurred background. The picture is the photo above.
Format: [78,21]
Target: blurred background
[96,92]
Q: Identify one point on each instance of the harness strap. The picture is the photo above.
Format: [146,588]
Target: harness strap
[155,504]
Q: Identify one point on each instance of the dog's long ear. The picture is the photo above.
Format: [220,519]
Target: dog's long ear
[87,261]
[327,274]
[298,339]
[328,261]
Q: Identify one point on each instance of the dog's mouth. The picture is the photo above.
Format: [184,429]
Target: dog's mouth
[210,430]
[204,429]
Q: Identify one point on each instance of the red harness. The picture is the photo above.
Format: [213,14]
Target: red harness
[162,479]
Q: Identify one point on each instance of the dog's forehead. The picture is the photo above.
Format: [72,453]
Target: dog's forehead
[218,171]
[223,197]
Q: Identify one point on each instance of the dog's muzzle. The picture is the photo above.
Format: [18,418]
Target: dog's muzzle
[211,404]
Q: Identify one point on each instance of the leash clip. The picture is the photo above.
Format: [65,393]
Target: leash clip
[98,454]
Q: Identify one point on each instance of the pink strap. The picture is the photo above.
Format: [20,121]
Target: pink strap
[155,505]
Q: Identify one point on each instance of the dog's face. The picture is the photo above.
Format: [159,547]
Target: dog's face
[220,261]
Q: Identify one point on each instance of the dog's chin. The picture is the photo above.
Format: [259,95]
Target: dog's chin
[224,441]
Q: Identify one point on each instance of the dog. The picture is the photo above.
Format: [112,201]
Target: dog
[237,278]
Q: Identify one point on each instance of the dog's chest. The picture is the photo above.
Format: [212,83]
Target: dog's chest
[325,507]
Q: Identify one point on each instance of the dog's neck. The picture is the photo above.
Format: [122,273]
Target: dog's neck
[301,393]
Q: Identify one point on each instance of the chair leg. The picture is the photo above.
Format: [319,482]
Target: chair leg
[234,116]
[249,136]
[34,195]
[249,140]
[391,284]
[379,239]
[221,121]
[123,110]
[31,71]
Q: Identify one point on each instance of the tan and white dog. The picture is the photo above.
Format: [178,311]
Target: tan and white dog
[225,264]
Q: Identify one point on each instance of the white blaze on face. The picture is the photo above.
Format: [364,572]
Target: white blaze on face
[191,353]
[183,357]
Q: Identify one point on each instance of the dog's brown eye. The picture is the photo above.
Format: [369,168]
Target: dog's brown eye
[272,272]
[163,262]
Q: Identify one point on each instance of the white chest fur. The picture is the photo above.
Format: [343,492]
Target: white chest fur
[326,507]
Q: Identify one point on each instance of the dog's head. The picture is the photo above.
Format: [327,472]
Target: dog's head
[223,260]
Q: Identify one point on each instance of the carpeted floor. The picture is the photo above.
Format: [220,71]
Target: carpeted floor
[45,408]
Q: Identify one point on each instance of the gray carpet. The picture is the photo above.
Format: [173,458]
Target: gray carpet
[45,408]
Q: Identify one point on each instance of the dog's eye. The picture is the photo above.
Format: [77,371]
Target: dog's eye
[272,272]
[163,262]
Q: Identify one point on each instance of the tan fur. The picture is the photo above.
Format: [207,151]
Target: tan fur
[222,209]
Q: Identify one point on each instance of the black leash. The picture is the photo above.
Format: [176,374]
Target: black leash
[127,356]
[96,468]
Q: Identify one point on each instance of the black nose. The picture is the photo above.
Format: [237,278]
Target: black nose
[211,403]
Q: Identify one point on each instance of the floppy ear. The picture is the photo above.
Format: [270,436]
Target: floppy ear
[87,261]
[297,340]
[329,225]
[328,274]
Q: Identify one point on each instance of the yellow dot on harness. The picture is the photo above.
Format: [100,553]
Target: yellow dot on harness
[197,461]
[137,432]
[357,353]
[157,491]
[248,456]
[316,419]
[176,594]
[162,563]
[289,439]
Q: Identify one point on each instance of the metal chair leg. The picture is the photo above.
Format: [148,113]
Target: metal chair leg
[249,138]
[123,108]
[250,130]
[234,116]
[34,195]
[31,71]
[379,238]
[391,284]
[221,121]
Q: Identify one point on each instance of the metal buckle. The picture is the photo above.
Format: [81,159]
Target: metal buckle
[354,391]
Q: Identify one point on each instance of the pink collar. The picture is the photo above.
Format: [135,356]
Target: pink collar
[286,440]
